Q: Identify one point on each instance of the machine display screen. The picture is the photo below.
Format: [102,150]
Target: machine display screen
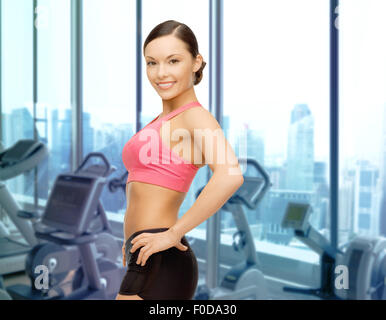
[296,213]
[68,200]
[296,216]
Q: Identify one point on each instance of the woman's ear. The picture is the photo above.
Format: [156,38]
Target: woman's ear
[198,63]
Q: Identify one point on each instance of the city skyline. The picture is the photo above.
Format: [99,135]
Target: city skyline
[291,180]
[284,62]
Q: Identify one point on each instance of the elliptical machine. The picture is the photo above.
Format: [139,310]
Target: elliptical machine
[21,157]
[75,217]
[244,280]
[362,267]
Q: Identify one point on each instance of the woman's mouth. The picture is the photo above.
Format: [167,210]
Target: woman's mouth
[165,86]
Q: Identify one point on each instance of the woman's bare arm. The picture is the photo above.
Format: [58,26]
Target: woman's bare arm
[220,157]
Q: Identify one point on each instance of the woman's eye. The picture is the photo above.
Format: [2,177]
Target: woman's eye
[149,63]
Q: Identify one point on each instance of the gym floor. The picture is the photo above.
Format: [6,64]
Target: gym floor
[275,288]
[22,278]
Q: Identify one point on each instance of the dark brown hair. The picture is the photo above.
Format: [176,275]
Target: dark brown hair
[182,32]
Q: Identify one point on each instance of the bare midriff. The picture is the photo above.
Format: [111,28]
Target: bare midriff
[150,206]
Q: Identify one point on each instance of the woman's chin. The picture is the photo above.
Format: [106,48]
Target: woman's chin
[167,96]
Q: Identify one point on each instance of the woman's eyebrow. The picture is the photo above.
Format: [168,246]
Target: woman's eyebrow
[174,54]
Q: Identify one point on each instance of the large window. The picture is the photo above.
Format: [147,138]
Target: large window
[276,87]
[53,108]
[362,203]
[109,89]
[276,60]
[17,116]
[51,116]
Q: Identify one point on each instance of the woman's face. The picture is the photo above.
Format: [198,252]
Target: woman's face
[167,60]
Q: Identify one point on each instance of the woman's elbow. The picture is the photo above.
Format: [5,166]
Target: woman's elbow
[236,179]
[231,174]
[239,180]
[236,176]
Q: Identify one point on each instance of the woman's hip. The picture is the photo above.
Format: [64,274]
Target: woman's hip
[167,274]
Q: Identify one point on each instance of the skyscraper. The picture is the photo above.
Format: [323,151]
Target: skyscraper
[366,206]
[300,151]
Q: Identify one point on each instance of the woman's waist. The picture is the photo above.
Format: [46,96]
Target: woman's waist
[148,218]
[153,202]
[152,206]
[149,213]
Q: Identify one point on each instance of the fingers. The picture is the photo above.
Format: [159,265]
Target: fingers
[143,255]
[137,244]
[139,237]
[147,249]
[183,247]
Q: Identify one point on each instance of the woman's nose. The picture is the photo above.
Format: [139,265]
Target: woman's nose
[162,71]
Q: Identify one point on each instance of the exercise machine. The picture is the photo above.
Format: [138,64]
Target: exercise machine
[245,279]
[21,157]
[75,217]
[361,268]
[16,256]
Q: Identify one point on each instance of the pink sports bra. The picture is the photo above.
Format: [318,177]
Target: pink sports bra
[148,159]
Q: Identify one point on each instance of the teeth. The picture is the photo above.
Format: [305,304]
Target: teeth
[166,84]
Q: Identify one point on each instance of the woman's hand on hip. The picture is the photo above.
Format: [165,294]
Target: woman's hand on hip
[155,242]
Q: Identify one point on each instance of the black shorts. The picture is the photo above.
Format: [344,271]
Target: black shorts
[170,274]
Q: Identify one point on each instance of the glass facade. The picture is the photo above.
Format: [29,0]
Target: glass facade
[363,119]
[277,87]
[276,98]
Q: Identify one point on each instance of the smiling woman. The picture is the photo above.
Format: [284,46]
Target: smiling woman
[160,263]
[172,71]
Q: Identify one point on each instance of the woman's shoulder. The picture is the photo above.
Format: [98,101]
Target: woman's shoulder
[199,118]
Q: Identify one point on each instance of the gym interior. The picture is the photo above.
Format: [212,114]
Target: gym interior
[298,88]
